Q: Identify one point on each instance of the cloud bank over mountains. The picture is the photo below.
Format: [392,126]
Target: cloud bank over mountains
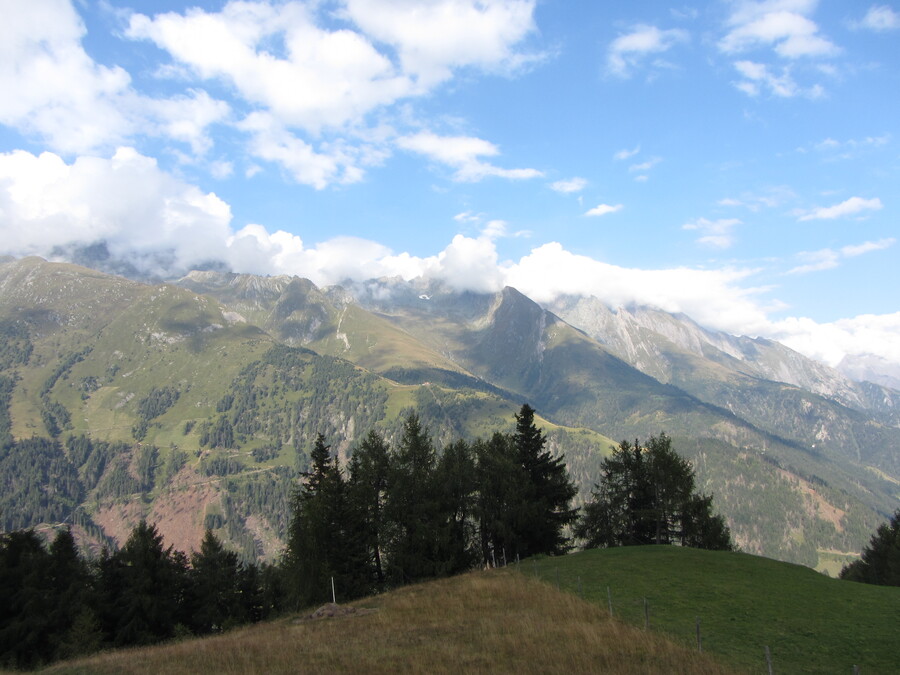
[164,226]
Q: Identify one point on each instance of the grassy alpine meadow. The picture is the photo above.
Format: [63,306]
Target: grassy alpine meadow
[811,623]
[478,622]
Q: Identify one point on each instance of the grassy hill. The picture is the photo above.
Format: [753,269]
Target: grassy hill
[811,623]
[518,620]
[478,622]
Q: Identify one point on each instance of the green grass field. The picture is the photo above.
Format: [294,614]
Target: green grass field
[811,623]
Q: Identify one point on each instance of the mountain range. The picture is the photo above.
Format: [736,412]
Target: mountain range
[194,402]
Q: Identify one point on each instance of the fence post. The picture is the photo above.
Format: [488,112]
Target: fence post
[699,637]
[769,661]
[333,597]
[580,589]
[646,615]
[557,578]
[609,600]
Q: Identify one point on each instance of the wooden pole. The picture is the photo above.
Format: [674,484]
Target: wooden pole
[333,597]
[699,637]
[646,615]
[580,589]
[609,600]
[769,661]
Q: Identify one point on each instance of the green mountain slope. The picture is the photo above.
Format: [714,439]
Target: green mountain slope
[128,400]
[195,405]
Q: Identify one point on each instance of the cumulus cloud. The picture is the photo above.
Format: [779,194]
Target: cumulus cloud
[75,104]
[463,153]
[850,207]
[163,225]
[323,77]
[126,202]
[879,18]
[630,50]
[604,209]
[569,186]
[714,233]
[436,36]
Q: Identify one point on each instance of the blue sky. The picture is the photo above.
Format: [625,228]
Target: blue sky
[734,160]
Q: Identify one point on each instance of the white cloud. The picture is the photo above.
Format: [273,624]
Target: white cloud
[604,209]
[630,50]
[323,79]
[76,105]
[125,201]
[849,207]
[758,76]
[781,24]
[51,87]
[626,153]
[164,225]
[273,143]
[827,258]
[832,342]
[569,186]
[645,166]
[714,233]
[436,36]
[463,154]
[712,297]
[879,18]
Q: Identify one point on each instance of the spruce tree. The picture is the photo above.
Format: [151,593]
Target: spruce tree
[880,560]
[549,492]
[412,508]
[456,482]
[325,540]
[368,492]
[646,496]
[501,493]
[215,589]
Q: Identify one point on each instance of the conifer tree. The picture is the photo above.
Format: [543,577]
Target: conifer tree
[880,560]
[368,492]
[456,482]
[325,541]
[412,508]
[549,492]
[646,496]
[501,488]
[215,587]
[143,588]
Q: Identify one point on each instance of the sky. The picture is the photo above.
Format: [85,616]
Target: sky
[734,160]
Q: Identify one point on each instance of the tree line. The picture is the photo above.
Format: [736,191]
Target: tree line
[390,516]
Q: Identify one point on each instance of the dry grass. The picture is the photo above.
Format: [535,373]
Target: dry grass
[479,622]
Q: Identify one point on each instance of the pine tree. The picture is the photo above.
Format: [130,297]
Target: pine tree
[501,493]
[412,508]
[646,496]
[325,541]
[215,590]
[880,560]
[549,491]
[368,492]
[143,588]
[455,479]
